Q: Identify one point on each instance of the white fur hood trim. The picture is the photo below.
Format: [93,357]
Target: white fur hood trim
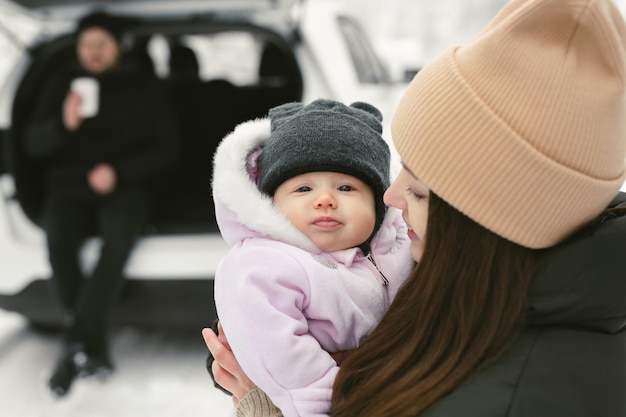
[242,210]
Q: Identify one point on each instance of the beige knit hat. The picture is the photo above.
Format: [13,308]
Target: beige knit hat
[523,129]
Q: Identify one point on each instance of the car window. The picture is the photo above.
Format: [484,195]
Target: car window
[369,67]
[232,56]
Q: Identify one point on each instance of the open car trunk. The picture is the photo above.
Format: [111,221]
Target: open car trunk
[206,108]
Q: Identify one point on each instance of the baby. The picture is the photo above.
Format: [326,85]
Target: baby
[315,256]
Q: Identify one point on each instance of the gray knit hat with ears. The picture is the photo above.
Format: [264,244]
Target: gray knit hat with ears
[326,135]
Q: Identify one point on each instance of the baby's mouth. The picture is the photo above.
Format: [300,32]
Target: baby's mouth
[326,222]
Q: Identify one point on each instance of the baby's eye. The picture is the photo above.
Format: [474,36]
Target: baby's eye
[303,189]
[345,188]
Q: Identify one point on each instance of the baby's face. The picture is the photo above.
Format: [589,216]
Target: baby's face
[335,211]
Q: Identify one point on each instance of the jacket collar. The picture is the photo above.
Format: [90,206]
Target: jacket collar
[582,281]
[241,210]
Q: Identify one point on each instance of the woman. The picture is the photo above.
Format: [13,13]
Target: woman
[513,148]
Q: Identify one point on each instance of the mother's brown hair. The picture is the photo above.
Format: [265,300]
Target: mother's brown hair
[459,309]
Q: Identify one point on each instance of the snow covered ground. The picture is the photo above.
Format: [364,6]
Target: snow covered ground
[160,373]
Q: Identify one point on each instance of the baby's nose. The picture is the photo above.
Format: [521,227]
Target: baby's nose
[325,200]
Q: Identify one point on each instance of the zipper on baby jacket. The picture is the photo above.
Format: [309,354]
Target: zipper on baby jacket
[371,259]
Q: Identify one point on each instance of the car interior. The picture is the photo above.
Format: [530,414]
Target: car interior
[208,104]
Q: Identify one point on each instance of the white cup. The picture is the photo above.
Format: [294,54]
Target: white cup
[88,89]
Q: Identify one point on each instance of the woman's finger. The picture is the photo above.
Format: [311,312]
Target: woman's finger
[227,381]
[221,335]
[220,351]
[226,369]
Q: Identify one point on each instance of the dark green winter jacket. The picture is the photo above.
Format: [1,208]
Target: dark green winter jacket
[570,360]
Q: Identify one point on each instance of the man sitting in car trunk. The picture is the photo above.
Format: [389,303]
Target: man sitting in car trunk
[106,136]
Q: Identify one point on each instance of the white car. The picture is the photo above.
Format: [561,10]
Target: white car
[267,52]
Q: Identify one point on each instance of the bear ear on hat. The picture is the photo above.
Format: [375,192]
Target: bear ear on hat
[280,114]
[368,108]
[366,113]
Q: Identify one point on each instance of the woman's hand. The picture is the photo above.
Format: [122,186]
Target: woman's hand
[226,369]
